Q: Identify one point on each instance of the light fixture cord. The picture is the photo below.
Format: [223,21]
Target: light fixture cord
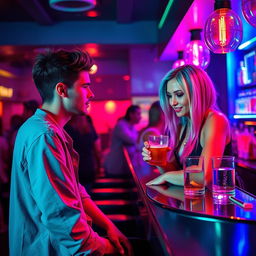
[219,4]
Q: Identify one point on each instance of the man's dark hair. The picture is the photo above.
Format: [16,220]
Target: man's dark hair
[58,66]
[131,109]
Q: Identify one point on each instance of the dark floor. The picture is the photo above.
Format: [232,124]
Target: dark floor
[4,244]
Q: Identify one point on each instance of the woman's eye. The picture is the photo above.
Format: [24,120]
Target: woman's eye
[169,96]
[180,95]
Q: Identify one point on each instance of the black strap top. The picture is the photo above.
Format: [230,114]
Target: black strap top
[197,149]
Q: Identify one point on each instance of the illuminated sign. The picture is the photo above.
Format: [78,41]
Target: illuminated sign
[6,92]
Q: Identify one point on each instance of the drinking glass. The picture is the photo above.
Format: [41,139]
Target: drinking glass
[223,181]
[158,146]
[194,182]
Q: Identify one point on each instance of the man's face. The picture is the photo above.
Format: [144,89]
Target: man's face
[79,95]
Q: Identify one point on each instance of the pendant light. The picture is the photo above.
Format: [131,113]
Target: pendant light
[249,11]
[180,61]
[196,52]
[223,31]
[72,5]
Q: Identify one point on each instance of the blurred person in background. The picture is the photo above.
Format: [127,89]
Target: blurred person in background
[29,108]
[15,122]
[124,135]
[87,145]
[156,124]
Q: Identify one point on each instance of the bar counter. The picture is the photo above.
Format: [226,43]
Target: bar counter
[194,226]
[246,170]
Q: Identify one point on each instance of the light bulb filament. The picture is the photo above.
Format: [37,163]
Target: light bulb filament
[222,31]
[195,54]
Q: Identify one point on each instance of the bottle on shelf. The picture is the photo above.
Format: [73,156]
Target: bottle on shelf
[242,74]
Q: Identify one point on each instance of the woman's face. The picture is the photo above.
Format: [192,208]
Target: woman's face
[178,98]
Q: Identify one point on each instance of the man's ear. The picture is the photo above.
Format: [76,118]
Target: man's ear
[62,89]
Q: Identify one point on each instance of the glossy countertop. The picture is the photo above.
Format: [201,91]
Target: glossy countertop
[195,226]
[172,197]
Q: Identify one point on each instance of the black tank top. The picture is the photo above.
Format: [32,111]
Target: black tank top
[197,150]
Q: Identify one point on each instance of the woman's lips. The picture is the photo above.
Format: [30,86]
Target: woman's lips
[177,110]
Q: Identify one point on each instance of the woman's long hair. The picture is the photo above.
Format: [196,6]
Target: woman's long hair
[201,97]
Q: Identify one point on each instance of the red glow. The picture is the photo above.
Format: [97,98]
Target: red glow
[103,120]
[98,79]
[126,78]
[92,49]
[92,14]
[1,108]
[113,190]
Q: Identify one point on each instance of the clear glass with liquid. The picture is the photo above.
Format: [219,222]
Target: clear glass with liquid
[194,182]
[223,176]
[223,180]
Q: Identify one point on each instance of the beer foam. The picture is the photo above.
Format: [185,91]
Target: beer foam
[158,146]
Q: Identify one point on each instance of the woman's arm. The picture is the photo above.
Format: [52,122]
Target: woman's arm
[170,172]
[173,177]
[215,136]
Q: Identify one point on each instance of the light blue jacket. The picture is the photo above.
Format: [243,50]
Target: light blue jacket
[46,202]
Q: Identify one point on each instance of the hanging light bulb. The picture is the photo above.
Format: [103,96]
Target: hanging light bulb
[223,30]
[180,61]
[249,11]
[196,52]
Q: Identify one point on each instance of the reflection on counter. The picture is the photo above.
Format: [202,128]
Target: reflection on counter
[172,197]
[196,204]
[227,209]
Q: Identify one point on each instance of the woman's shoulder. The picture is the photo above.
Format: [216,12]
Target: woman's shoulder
[216,120]
[216,116]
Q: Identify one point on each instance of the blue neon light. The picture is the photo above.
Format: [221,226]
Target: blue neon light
[243,116]
[246,44]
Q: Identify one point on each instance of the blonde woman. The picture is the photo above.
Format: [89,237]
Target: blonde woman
[193,121]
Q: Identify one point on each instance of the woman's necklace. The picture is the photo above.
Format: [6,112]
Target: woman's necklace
[185,142]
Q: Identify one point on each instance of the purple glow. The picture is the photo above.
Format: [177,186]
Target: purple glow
[178,63]
[194,18]
[196,53]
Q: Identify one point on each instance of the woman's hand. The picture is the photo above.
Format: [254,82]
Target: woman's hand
[173,177]
[146,152]
[159,180]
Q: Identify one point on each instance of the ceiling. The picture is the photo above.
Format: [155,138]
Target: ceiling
[121,11]
[31,26]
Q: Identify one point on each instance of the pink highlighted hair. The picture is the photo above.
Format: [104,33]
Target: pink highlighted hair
[201,96]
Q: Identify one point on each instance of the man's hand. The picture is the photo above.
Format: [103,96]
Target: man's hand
[110,249]
[120,242]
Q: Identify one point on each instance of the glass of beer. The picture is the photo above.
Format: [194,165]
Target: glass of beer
[158,146]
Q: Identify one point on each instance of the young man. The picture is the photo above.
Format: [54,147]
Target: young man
[49,209]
